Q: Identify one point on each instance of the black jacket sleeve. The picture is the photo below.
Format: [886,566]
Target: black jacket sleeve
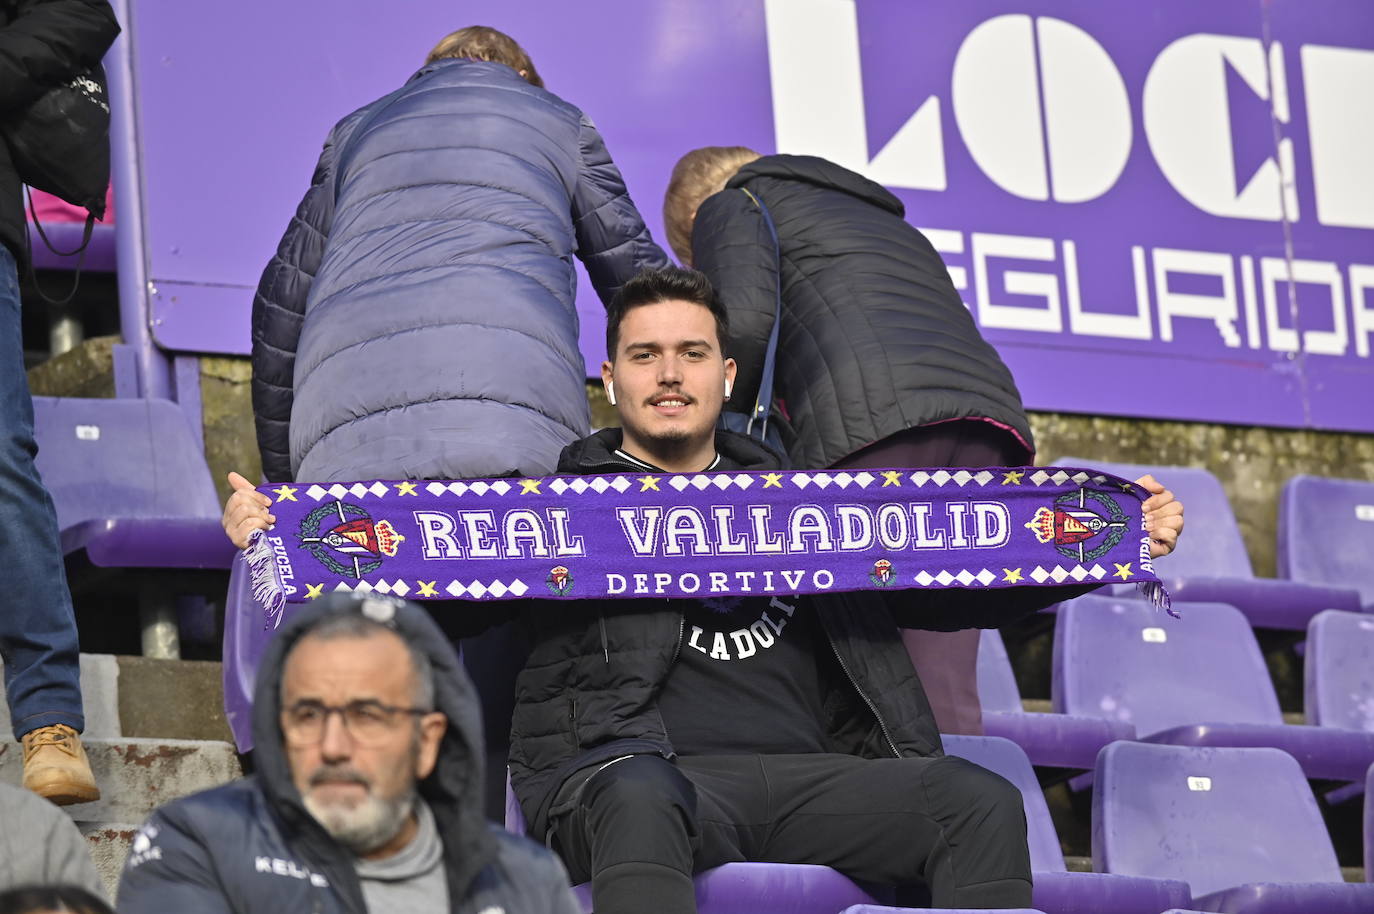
[953,609]
[612,240]
[50,41]
[732,246]
[279,311]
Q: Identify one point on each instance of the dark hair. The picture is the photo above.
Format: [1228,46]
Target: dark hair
[480,42]
[29,899]
[650,287]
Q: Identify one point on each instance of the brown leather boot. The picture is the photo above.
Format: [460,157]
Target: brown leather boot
[56,767]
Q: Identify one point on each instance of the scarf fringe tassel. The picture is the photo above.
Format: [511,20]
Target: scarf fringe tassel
[262,571]
[1154,592]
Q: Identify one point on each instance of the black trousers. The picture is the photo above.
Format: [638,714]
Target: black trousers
[640,826]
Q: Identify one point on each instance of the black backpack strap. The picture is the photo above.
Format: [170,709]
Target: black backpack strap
[764,402]
[80,253]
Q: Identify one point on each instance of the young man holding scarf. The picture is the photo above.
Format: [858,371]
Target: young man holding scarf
[647,744]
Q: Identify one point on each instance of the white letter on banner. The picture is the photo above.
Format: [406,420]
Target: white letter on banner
[685,522]
[809,521]
[1222,310]
[991,525]
[893,530]
[818,97]
[436,531]
[480,529]
[564,543]
[727,541]
[641,528]
[615,583]
[957,511]
[522,526]
[1273,271]
[856,527]
[1187,114]
[1092,323]
[1362,305]
[764,539]
[1340,122]
[1048,319]
[925,538]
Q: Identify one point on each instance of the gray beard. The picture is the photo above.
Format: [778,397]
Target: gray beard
[367,826]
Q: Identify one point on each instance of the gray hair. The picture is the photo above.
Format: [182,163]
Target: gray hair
[345,624]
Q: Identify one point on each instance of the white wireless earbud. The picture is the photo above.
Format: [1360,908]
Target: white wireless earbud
[727,390]
[610,392]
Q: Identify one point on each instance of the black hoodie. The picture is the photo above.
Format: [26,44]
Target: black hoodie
[251,846]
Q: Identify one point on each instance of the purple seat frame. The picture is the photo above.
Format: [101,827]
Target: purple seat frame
[1207,668]
[1189,813]
[1056,890]
[1214,565]
[1050,740]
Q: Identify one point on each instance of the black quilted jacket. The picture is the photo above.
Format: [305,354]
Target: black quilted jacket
[42,42]
[874,337]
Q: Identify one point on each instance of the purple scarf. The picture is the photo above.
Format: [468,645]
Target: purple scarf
[702,535]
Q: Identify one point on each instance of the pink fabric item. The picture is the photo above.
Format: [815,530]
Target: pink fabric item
[52,209]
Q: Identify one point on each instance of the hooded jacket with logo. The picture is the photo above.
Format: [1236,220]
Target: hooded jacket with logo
[589,690]
[251,846]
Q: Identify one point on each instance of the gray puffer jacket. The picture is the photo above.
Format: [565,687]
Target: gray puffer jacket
[418,320]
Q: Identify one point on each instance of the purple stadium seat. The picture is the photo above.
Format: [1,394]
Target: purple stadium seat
[1240,826]
[881,909]
[130,483]
[246,633]
[1213,566]
[746,888]
[66,236]
[1196,681]
[1339,671]
[1326,533]
[1056,890]
[1051,740]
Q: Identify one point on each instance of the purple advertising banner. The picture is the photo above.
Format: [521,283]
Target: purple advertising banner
[1161,209]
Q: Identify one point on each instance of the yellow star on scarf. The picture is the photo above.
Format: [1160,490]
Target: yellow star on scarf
[427,589]
[1013,477]
[648,483]
[772,479]
[313,591]
[1126,486]
[1123,571]
[892,478]
[285,493]
[1011,575]
[530,485]
[406,488]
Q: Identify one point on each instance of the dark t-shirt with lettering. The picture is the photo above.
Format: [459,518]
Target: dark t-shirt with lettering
[746,680]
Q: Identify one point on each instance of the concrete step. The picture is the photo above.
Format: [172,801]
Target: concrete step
[109,845]
[138,775]
[99,694]
[147,699]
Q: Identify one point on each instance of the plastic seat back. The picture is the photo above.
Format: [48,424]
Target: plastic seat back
[1326,533]
[1339,671]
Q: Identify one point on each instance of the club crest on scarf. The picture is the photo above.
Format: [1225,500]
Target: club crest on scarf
[1077,519]
[882,573]
[559,581]
[346,540]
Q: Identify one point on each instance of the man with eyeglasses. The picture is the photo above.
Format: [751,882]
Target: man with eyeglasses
[368,791]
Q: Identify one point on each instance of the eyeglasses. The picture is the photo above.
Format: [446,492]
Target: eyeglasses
[368,722]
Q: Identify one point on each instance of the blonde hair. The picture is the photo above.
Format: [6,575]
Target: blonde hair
[478,42]
[696,176]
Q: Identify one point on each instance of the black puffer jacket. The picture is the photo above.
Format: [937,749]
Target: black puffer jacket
[251,846]
[874,336]
[42,42]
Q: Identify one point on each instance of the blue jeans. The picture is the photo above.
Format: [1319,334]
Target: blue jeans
[37,625]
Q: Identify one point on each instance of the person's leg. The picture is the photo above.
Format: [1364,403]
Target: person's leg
[947,662]
[632,828]
[37,625]
[958,827]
